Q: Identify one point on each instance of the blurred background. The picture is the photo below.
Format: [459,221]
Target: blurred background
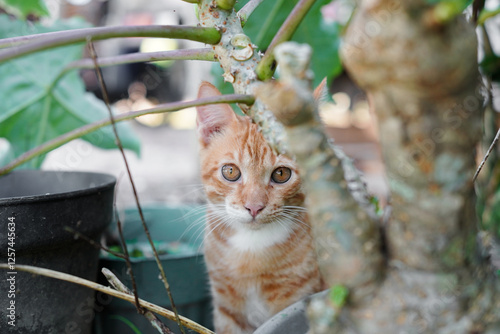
[167,169]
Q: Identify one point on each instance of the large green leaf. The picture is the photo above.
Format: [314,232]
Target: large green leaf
[33,110]
[23,8]
[323,37]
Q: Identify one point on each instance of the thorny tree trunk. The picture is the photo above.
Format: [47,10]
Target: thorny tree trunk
[422,81]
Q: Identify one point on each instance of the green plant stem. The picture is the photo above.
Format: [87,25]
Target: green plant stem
[247,10]
[486,14]
[266,67]
[86,129]
[109,291]
[205,54]
[61,38]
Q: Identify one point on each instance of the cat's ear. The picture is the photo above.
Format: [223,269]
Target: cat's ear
[213,118]
[321,92]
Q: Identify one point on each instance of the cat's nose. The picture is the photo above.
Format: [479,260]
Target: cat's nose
[254,209]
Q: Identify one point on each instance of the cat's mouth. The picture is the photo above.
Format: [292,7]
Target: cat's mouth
[255,223]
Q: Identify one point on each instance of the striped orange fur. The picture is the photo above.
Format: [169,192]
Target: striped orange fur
[258,243]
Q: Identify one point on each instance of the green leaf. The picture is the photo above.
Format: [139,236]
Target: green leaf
[34,110]
[323,37]
[23,8]
[491,66]
[338,295]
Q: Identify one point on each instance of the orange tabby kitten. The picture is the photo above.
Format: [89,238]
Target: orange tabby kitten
[258,243]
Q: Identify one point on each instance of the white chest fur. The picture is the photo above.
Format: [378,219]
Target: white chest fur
[248,240]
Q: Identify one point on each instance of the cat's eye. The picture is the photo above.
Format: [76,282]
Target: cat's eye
[231,172]
[281,174]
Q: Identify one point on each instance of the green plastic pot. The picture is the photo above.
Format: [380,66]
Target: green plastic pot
[186,273]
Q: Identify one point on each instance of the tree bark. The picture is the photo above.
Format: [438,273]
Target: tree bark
[422,81]
[421,77]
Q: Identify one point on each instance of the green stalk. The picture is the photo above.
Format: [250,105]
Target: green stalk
[266,67]
[486,14]
[61,38]
[86,129]
[205,54]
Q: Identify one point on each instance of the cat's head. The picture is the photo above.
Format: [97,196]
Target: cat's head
[243,178]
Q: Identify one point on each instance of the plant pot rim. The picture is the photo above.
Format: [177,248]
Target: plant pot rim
[102,182]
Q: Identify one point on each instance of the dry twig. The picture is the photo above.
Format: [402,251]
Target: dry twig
[132,183]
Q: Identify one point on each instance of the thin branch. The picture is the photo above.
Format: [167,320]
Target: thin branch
[205,54]
[490,149]
[247,10]
[266,67]
[118,285]
[140,310]
[14,41]
[125,257]
[86,129]
[109,291]
[132,183]
[61,38]
[477,7]
[97,245]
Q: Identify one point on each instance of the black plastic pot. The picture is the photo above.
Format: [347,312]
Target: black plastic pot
[37,206]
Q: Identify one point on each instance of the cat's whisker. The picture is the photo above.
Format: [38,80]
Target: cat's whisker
[295,208]
[201,228]
[218,223]
[198,232]
[190,193]
[198,223]
[296,221]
